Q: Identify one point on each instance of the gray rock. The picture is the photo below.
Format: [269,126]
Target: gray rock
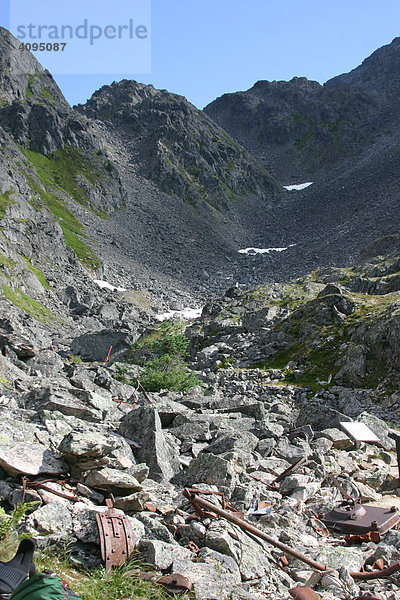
[47,363]
[292,483]
[340,441]
[320,415]
[321,445]
[162,554]
[95,443]
[292,452]
[154,528]
[140,472]
[199,431]
[143,425]
[60,398]
[214,470]
[380,429]
[233,441]
[83,490]
[133,502]
[52,521]
[30,459]
[95,346]
[213,579]
[338,556]
[113,480]
[248,554]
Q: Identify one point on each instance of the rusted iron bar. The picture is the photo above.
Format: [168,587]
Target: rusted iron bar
[39,485]
[274,485]
[289,470]
[195,499]
[378,574]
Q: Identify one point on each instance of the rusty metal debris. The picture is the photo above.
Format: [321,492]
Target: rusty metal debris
[192,547]
[260,509]
[320,527]
[283,561]
[175,583]
[378,574]
[199,503]
[117,540]
[274,485]
[371,536]
[40,485]
[353,517]
[343,491]
[368,596]
[225,504]
[301,592]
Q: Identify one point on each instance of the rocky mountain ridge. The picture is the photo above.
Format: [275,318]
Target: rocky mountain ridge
[301,128]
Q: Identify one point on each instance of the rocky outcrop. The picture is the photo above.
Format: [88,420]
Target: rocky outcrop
[298,128]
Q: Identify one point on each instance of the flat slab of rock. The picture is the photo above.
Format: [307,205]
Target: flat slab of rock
[113,479]
[30,459]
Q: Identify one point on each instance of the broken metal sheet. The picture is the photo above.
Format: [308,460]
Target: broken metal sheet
[117,540]
[260,509]
[175,583]
[353,517]
[359,432]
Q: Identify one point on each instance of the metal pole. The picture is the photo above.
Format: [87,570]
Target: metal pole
[251,529]
[396,437]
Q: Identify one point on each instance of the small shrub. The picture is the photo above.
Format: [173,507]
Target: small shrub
[163,354]
[74,358]
[168,372]
[9,523]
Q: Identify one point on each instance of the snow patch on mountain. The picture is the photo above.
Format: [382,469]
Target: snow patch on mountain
[264,250]
[298,186]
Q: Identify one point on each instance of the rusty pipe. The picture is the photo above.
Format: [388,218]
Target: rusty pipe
[251,529]
[382,574]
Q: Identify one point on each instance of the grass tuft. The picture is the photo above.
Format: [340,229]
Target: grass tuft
[124,583]
[5,202]
[37,272]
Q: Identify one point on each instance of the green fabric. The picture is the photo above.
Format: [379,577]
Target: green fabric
[40,587]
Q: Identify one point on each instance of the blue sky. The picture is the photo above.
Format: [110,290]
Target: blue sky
[202,49]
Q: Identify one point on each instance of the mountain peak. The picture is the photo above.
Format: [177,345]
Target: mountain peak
[21,75]
[380,71]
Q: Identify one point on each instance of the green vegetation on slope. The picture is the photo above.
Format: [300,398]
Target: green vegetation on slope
[37,272]
[122,583]
[320,350]
[4,202]
[62,169]
[70,225]
[21,300]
